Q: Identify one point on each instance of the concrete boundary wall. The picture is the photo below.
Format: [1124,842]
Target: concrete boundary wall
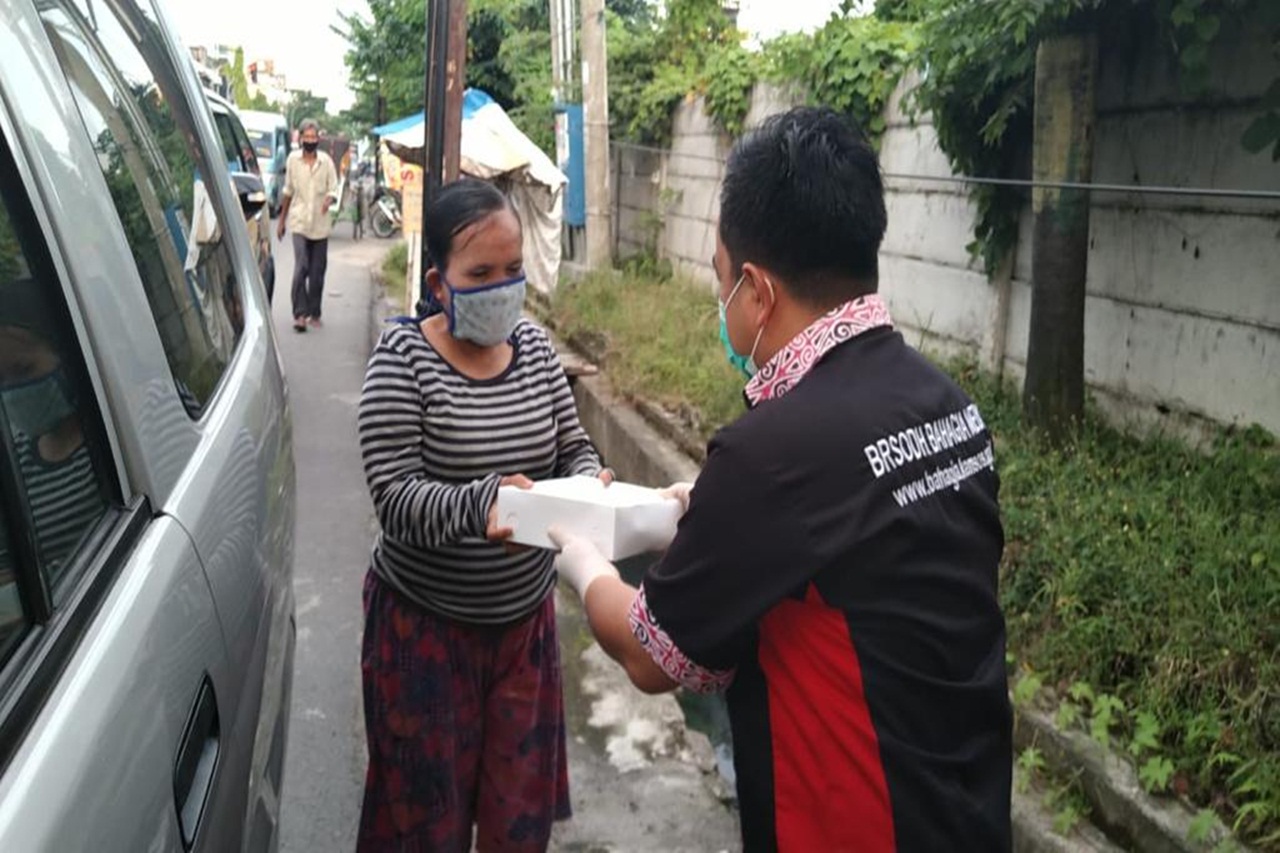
[1183,306]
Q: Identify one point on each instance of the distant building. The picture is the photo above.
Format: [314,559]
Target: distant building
[266,80]
[731,10]
[261,73]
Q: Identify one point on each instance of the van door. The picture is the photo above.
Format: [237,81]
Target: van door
[197,384]
[112,735]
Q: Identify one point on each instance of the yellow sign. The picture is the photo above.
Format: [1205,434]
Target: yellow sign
[411,198]
[411,212]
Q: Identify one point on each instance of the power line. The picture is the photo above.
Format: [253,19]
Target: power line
[1136,189]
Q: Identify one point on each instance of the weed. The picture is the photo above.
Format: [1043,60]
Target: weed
[1146,734]
[1106,711]
[1031,763]
[395,271]
[1069,806]
[658,340]
[1026,689]
[1156,774]
[1202,826]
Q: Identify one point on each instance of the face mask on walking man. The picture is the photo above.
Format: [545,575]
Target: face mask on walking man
[310,191]
[846,604]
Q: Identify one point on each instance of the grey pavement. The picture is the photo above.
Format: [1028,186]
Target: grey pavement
[639,781]
[324,766]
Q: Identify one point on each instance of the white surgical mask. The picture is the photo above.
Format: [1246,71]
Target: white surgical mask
[486,315]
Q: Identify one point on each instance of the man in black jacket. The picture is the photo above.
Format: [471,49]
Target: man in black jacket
[836,567]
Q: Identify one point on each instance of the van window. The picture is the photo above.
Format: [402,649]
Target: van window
[227,138]
[54,488]
[264,144]
[140,123]
[13,619]
[248,157]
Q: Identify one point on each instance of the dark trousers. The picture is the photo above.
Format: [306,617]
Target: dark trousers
[310,258]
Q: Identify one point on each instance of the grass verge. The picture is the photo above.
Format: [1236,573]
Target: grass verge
[657,338]
[395,271]
[1140,580]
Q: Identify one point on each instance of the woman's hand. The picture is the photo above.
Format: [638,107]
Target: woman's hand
[606,476]
[493,532]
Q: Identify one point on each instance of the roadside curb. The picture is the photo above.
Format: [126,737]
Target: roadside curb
[380,307]
[1120,805]
[1033,831]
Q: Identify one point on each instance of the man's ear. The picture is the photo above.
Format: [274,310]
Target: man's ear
[763,286]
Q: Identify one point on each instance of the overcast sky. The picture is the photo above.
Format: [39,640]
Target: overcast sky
[298,37]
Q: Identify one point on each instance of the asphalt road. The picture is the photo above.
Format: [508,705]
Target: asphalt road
[324,766]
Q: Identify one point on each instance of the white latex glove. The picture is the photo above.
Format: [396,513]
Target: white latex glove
[679,491]
[579,561]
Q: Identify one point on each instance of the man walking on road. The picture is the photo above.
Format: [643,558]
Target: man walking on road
[310,189]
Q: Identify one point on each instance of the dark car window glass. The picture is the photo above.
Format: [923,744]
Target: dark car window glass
[262,144]
[227,138]
[245,147]
[54,488]
[13,619]
[136,115]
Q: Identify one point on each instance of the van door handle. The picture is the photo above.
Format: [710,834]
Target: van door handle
[197,760]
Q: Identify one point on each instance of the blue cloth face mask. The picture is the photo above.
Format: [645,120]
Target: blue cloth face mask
[746,364]
[36,407]
[486,315]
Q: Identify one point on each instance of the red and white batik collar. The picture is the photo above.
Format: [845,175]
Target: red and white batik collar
[794,361]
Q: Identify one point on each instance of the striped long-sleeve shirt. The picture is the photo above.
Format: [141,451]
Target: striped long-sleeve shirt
[435,445]
[66,500]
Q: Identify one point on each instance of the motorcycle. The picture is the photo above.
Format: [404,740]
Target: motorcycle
[384,216]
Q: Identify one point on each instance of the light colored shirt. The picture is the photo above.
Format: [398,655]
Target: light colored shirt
[308,185]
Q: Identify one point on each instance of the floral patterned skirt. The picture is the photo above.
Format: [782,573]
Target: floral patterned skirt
[465,727]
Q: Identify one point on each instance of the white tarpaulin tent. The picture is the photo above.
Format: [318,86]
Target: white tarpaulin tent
[494,149]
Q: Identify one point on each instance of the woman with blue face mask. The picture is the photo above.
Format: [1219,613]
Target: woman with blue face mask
[39,406]
[463,708]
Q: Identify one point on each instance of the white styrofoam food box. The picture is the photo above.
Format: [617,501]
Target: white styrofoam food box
[622,519]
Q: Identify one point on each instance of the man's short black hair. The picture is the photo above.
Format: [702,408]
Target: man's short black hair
[803,197]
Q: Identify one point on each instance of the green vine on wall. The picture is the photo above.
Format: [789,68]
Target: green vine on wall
[977,77]
[854,64]
[731,75]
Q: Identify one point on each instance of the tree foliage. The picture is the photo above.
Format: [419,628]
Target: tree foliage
[851,64]
[654,63]
[979,64]
[976,64]
[238,80]
[508,53]
[303,105]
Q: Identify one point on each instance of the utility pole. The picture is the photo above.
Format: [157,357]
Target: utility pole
[595,85]
[446,71]
[455,83]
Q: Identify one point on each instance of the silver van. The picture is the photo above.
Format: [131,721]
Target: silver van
[271,141]
[243,163]
[146,471]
